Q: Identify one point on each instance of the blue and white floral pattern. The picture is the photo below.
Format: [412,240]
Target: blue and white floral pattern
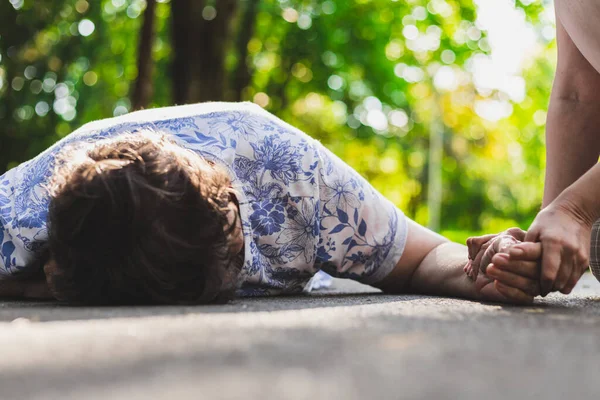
[302,208]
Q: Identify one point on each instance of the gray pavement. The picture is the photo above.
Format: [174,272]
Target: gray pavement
[331,345]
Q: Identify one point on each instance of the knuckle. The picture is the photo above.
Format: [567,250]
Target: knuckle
[583,257]
[571,245]
[552,240]
[515,231]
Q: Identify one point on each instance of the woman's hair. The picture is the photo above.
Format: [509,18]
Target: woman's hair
[138,219]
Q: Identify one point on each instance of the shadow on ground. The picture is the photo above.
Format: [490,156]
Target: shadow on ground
[326,345]
[343,294]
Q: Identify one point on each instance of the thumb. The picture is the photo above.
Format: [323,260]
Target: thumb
[532,234]
[474,244]
[517,233]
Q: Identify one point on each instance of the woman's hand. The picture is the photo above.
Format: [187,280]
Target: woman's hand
[483,248]
[491,289]
[501,278]
[564,234]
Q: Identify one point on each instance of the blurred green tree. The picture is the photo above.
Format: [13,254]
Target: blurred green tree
[387,85]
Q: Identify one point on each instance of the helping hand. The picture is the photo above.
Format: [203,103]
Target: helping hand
[506,280]
[565,239]
[483,248]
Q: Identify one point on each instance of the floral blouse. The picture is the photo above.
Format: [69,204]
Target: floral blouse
[302,208]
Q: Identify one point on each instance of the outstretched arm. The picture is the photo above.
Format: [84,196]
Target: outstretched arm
[433,265]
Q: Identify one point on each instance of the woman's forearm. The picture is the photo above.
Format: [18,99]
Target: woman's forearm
[441,273]
[572,143]
[582,198]
[573,124]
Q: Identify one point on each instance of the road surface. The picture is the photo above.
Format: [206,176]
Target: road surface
[331,345]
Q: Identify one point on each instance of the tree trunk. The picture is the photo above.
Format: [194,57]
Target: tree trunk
[242,75]
[199,45]
[436,150]
[143,91]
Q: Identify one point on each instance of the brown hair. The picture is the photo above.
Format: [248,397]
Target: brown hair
[138,219]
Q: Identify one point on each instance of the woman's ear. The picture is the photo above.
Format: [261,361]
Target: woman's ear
[50,267]
[236,236]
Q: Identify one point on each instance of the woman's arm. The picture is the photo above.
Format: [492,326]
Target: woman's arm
[433,265]
[573,124]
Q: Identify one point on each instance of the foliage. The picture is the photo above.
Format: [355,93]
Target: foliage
[369,78]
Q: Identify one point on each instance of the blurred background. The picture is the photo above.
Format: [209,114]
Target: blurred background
[441,104]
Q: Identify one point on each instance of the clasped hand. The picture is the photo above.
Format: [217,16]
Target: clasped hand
[505,262]
[551,256]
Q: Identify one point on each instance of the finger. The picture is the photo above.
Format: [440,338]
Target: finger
[474,244]
[532,235]
[488,291]
[573,279]
[517,233]
[567,266]
[527,269]
[476,264]
[513,294]
[482,281]
[551,261]
[526,251]
[503,243]
[529,286]
[486,259]
[468,268]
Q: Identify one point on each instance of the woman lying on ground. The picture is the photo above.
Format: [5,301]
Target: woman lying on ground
[192,204]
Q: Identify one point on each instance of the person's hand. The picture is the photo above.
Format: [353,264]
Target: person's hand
[565,238]
[522,273]
[483,248]
[513,281]
[493,290]
[498,278]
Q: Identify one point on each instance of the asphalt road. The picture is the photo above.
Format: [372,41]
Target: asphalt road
[330,345]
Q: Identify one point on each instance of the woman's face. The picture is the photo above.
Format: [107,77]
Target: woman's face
[51,270]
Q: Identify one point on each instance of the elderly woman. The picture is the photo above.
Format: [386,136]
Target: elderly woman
[190,204]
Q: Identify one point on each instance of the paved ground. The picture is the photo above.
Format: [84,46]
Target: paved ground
[332,345]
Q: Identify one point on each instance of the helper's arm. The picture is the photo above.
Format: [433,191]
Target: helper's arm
[433,265]
[573,124]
